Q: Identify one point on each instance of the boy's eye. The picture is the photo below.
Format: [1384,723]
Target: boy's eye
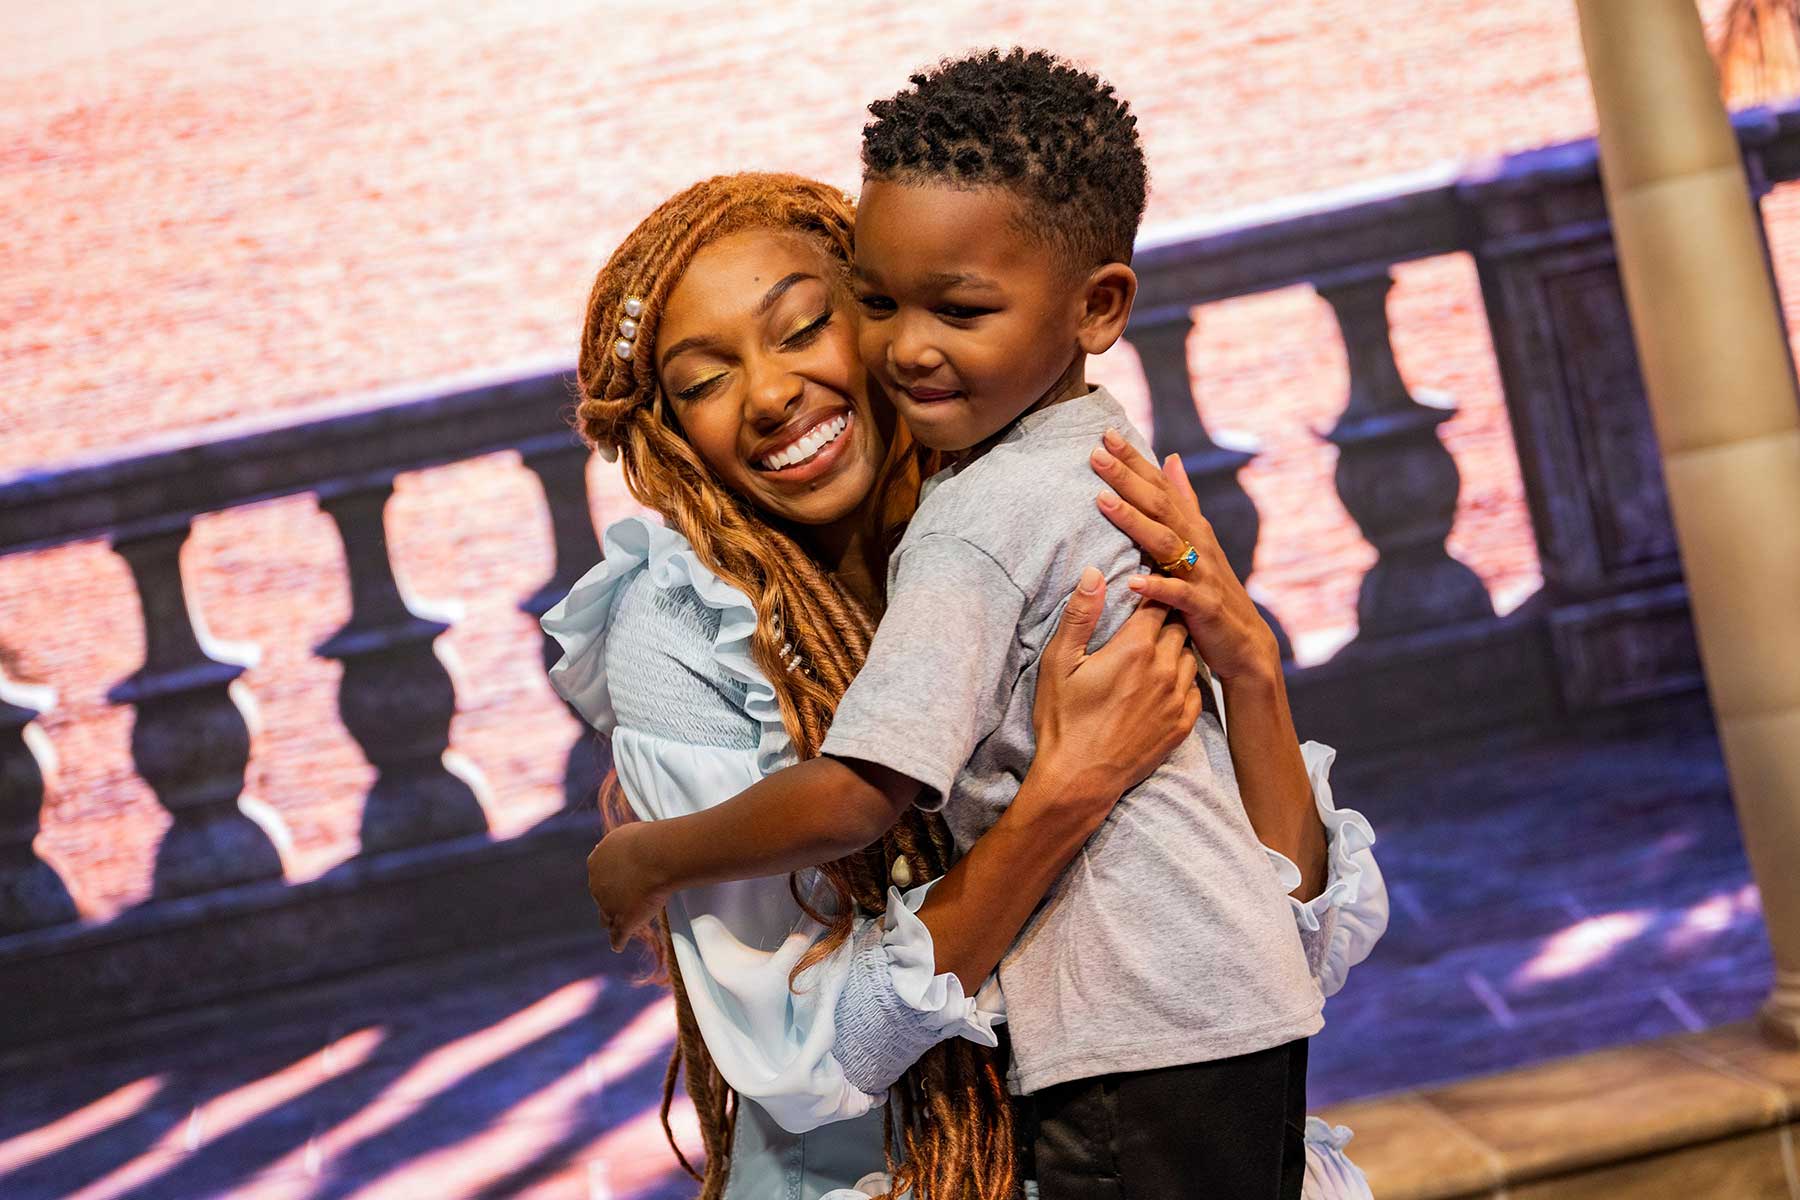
[807,332]
[961,312]
[875,305]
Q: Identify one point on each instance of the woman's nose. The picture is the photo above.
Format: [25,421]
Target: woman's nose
[771,395]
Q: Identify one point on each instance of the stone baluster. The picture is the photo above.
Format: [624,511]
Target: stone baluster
[397,694]
[561,467]
[1395,477]
[192,737]
[1160,337]
[32,895]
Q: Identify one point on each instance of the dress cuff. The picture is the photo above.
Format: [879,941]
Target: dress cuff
[896,1005]
[1339,926]
[937,998]
[1330,1175]
[1348,835]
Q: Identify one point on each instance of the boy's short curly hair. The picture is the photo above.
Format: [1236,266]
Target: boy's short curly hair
[1030,122]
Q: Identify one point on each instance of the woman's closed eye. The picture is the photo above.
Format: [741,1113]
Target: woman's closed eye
[699,387]
[805,335]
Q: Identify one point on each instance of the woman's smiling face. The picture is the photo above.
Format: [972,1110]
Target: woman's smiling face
[756,355]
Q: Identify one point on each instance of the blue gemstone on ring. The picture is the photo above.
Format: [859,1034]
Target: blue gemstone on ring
[1191,558]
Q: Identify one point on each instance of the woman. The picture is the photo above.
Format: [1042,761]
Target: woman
[719,362]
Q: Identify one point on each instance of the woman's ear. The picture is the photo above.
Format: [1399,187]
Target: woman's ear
[1106,306]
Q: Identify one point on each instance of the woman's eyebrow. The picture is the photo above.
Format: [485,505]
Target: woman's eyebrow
[779,290]
[683,346]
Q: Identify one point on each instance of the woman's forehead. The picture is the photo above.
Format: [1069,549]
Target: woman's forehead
[752,257]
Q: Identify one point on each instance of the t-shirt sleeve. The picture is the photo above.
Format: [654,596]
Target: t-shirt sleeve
[939,671]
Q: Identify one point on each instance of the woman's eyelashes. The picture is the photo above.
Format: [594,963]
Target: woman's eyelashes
[807,332]
[799,339]
[699,387]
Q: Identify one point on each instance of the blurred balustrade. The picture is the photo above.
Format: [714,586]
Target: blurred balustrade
[1608,629]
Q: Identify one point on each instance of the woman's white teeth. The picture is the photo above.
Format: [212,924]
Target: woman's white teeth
[821,436]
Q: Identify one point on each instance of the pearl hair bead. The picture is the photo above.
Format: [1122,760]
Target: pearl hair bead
[901,873]
[628,327]
[634,308]
[622,348]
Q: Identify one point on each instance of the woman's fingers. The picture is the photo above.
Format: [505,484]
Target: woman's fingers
[1177,476]
[1128,456]
[1153,537]
[1170,642]
[1075,629]
[1151,494]
[1186,596]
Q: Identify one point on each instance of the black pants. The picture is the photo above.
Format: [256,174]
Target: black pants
[1227,1130]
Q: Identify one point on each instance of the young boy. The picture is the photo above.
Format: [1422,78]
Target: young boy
[1160,999]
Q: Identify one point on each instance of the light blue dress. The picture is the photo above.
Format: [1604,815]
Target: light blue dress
[656,653]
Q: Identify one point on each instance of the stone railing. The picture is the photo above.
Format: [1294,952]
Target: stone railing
[422,817]
[1609,626]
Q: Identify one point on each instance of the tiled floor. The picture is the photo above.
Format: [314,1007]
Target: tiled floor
[1548,899]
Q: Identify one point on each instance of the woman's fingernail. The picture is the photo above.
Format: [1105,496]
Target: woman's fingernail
[1108,501]
[1101,458]
[1136,582]
[1090,580]
[1113,438]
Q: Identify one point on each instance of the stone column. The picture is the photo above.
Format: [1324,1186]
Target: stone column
[31,892]
[397,695]
[1395,477]
[195,724]
[561,467]
[1723,400]
[1160,337]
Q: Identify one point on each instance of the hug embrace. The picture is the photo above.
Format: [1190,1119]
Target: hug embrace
[983,858]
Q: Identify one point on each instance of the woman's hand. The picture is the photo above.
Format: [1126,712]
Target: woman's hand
[623,883]
[1159,511]
[1105,720]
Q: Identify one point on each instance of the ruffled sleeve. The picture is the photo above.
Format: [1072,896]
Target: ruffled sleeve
[1339,926]
[656,652]
[898,1005]
[1330,1175]
[580,623]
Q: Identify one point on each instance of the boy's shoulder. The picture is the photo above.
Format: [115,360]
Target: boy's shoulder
[1032,492]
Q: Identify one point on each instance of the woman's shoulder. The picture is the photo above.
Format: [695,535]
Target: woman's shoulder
[654,641]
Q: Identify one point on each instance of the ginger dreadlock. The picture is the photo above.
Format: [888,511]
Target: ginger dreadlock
[952,1135]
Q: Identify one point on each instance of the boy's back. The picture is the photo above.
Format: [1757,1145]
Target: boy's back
[1168,941]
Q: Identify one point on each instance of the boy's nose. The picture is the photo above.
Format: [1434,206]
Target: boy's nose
[912,357]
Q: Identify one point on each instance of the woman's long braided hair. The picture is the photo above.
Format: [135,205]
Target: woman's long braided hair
[954,1133]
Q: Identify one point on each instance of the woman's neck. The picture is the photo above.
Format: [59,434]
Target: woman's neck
[843,549]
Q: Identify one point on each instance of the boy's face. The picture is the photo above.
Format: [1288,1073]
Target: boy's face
[967,320]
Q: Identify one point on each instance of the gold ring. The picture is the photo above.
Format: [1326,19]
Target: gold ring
[1182,563]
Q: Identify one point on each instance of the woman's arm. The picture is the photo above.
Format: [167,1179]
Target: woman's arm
[1159,511]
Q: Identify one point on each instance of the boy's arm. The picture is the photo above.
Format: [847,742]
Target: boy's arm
[811,813]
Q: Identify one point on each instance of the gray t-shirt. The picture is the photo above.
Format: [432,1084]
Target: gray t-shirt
[1168,939]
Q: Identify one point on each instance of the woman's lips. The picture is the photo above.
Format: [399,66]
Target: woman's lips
[819,464]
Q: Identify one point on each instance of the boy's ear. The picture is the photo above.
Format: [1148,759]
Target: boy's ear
[1106,306]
